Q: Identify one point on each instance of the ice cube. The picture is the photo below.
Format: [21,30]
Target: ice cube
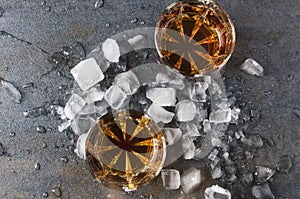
[162,78]
[217,172]
[190,180]
[216,192]
[87,73]
[159,114]
[94,95]
[206,126]
[82,124]
[201,114]
[198,92]
[263,174]
[220,116]
[162,96]
[111,50]
[170,178]
[128,82]
[262,192]
[74,106]
[251,67]
[185,111]
[80,146]
[11,91]
[115,97]
[172,135]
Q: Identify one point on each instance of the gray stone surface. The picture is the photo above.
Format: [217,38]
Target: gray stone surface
[267,31]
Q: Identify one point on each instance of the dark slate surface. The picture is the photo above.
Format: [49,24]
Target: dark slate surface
[267,31]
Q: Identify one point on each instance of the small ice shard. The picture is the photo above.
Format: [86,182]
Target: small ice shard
[201,114]
[35,112]
[251,67]
[159,114]
[137,42]
[87,73]
[82,124]
[63,126]
[235,112]
[253,141]
[11,91]
[285,164]
[172,135]
[177,83]
[188,147]
[190,180]
[128,82]
[111,50]
[91,108]
[220,116]
[115,97]
[74,106]
[94,95]
[206,126]
[213,155]
[217,192]
[185,110]
[263,174]
[99,4]
[80,146]
[170,178]
[262,192]
[162,96]
[162,78]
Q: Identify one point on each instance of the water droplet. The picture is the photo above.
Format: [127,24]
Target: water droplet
[40,129]
[11,90]
[99,4]
[28,85]
[44,145]
[56,192]
[35,112]
[1,150]
[48,8]
[37,166]
[12,134]
[45,195]
[64,159]
[1,11]
[135,20]
[43,3]
[285,164]
[107,25]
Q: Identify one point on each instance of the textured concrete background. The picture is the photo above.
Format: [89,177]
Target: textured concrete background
[267,30]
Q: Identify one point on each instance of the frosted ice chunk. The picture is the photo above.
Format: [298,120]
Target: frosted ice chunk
[185,111]
[80,146]
[115,97]
[74,106]
[220,116]
[87,73]
[128,82]
[216,192]
[188,147]
[94,95]
[190,180]
[162,78]
[111,50]
[82,124]
[63,126]
[251,67]
[162,96]
[170,178]
[11,91]
[172,135]
[262,192]
[264,174]
[159,114]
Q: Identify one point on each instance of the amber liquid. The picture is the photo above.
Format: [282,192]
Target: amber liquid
[125,150]
[194,37]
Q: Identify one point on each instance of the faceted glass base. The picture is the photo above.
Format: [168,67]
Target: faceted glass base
[195,37]
[125,150]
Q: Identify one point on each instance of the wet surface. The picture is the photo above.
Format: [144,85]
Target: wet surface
[41,165]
